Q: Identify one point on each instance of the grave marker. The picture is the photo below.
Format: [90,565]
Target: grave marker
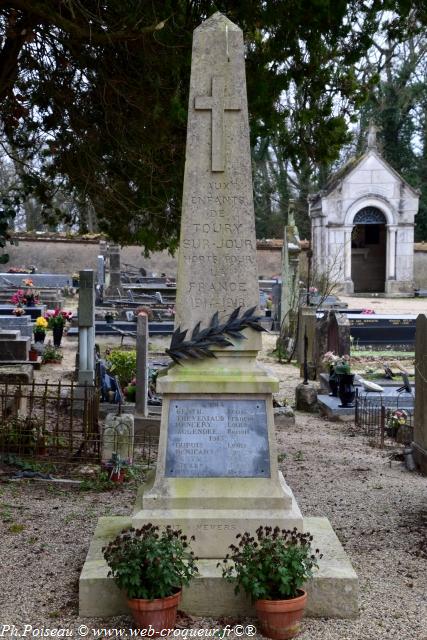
[86,320]
[419,445]
[217,464]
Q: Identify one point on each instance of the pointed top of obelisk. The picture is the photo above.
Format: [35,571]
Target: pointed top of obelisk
[217,21]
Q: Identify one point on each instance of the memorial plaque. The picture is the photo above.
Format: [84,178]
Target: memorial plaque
[217,438]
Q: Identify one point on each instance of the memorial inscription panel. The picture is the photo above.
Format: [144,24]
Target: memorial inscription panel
[217,438]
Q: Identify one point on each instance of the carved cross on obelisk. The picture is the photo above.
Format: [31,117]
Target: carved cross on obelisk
[217,103]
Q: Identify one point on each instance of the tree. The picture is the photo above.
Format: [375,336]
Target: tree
[103,87]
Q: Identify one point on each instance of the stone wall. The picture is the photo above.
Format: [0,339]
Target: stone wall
[62,255]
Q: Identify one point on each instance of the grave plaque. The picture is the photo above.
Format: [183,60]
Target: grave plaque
[217,438]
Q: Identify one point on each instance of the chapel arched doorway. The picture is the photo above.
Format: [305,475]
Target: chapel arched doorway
[369,250]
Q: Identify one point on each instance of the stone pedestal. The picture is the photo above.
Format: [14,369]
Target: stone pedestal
[333,592]
[192,488]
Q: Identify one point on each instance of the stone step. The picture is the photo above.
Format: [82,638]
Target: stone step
[333,592]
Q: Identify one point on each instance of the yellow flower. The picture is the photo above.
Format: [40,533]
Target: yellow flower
[41,322]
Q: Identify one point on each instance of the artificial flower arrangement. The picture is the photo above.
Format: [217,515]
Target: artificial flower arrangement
[396,419]
[58,318]
[18,311]
[340,364]
[27,297]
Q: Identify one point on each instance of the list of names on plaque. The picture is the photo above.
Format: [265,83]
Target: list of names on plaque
[217,438]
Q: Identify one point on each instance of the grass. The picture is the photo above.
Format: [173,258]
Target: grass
[402,355]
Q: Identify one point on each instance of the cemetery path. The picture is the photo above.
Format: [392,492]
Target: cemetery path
[376,507]
[387,305]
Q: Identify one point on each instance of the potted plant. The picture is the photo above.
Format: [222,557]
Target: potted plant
[272,569]
[109,317]
[346,390]
[130,391]
[151,566]
[51,354]
[57,320]
[39,329]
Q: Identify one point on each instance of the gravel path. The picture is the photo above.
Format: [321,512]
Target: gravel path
[376,507]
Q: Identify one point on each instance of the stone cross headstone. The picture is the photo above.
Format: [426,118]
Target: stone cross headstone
[217,468]
[141,404]
[86,322]
[290,277]
[217,268]
[101,270]
[419,446]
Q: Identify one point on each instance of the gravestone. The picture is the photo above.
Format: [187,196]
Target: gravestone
[115,284]
[13,346]
[307,327]
[419,446]
[101,271]
[20,323]
[332,334]
[290,277]
[86,322]
[117,437]
[217,471]
[141,400]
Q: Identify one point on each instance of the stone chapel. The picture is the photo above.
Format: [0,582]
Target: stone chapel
[362,226]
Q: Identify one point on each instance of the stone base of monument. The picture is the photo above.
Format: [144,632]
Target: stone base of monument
[332,593]
[420,457]
[216,528]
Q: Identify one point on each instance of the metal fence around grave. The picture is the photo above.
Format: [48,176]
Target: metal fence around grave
[57,421]
[381,418]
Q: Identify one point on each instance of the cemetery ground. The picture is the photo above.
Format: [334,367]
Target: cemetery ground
[376,507]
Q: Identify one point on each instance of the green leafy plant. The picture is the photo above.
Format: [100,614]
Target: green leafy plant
[51,354]
[150,563]
[273,566]
[123,365]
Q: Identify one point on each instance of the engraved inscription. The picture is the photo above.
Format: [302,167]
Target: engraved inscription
[217,438]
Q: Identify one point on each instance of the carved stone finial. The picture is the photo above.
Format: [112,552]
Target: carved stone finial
[372,136]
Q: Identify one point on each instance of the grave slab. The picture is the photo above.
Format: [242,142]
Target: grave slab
[22,323]
[17,349]
[16,374]
[332,593]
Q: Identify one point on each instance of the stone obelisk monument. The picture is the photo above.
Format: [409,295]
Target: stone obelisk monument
[217,466]
[217,469]
[217,268]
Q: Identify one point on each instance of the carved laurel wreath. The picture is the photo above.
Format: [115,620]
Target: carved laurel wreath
[215,334]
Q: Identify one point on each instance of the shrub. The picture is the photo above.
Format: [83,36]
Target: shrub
[123,365]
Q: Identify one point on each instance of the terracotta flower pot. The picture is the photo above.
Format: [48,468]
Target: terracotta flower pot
[280,619]
[118,476]
[159,613]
